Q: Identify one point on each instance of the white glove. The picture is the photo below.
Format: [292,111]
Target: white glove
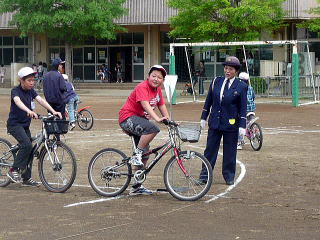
[203,124]
[242,132]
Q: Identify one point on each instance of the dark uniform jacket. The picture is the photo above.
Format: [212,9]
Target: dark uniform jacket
[54,87]
[230,113]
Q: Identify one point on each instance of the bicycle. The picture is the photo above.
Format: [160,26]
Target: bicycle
[109,170]
[254,134]
[57,163]
[84,118]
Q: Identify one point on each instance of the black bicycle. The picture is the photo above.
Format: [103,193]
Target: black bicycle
[110,172]
[57,165]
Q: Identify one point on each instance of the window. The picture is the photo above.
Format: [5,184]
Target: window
[21,55]
[7,41]
[89,55]
[102,55]
[77,55]
[7,56]
[138,54]
[138,38]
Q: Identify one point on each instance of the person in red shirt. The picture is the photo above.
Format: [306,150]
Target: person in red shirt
[135,114]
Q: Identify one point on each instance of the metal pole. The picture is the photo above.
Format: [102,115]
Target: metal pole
[311,72]
[186,52]
[295,76]
[172,71]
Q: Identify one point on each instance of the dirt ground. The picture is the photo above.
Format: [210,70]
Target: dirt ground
[276,196]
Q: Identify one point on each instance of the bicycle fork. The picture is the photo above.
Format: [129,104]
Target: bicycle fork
[179,161]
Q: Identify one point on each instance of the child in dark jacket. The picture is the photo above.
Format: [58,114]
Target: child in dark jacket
[71,99]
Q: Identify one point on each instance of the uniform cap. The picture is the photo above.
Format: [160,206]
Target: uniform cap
[160,68]
[25,71]
[232,61]
[57,61]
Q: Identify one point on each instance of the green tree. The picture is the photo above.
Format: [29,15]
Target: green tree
[225,20]
[70,20]
[313,24]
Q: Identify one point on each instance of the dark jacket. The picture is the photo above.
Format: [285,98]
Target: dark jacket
[54,87]
[230,113]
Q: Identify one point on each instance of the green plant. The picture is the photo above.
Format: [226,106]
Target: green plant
[259,84]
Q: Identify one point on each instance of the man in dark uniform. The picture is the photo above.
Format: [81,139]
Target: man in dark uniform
[54,87]
[225,105]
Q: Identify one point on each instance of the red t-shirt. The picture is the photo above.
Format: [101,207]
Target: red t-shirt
[142,92]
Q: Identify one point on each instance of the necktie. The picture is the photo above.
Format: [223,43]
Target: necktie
[226,87]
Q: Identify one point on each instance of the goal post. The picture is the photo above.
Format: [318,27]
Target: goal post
[282,70]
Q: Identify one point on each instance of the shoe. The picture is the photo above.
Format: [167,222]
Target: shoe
[239,147]
[14,176]
[136,159]
[140,191]
[72,126]
[201,182]
[230,182]
[30,182]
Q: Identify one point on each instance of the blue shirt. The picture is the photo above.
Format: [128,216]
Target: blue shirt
[18,117]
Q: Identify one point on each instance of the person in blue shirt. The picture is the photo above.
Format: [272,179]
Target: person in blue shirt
[225,106]
[18,123]
[72,99]
[251,106]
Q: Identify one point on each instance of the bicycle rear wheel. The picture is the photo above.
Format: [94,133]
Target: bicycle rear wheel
[256,137]
[108,174]
[85,119]
[57,176]
[188,187]
[6,158]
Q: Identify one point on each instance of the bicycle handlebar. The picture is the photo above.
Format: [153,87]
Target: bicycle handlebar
[47,117]
[169,122]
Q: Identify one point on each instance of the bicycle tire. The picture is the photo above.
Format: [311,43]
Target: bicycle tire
[57,177]
[188,188]
[102,180]
[256,136]
[85,119]
[5,145]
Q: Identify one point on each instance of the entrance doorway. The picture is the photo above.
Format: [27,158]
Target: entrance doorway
[124,56]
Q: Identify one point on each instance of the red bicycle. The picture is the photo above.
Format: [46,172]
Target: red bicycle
[83,117]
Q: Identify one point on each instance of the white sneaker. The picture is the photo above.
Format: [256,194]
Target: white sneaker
[135,160]
[239,147]
[140,191]
[72,126]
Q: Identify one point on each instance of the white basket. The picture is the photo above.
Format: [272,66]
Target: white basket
[189,133]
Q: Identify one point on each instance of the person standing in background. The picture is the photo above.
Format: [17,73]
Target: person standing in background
[2,73]
[118,70]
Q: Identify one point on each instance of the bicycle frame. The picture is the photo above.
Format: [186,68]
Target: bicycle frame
[166,147]
[41,137]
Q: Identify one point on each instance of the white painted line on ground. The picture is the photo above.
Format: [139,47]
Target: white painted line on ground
[238,180]
[94,201]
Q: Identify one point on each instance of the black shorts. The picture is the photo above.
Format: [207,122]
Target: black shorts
[139,126]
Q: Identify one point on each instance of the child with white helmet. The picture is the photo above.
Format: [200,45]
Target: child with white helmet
[18,123]
[251,106]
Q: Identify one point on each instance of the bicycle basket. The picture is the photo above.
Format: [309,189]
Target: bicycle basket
[189,133]
[56,126]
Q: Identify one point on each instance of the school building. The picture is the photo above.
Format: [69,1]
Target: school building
[146,42]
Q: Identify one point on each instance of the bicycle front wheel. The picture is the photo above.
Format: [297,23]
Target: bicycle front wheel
[256,137]
[108,174]
[85,119]
[57,168]
[190,179]
[6,160]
